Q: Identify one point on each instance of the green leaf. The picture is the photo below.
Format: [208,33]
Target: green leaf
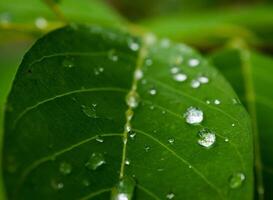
[213,27]
[82,121]
[250,74]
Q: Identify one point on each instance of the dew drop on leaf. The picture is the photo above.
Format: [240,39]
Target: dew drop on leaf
[113,56]
[180,77]
[127,161]
[206,138]
[171,140]
[98,70]
[194,62]
[65,168]
[57,185]
[95,161]
[203,79]
[193,115]
[148,62]
[165,43]
[132,134]
[170,195]
[99,139]
[41,23]
[138,74]
[89,111]
[174,70]
[217,101]
[68,63]
[147,148]
[124,189]
[133,45]
[152,91]
[236,180]
[195,84]
[132,99]
[85,183]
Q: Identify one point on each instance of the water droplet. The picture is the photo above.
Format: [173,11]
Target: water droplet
[195,84]
[133,45]
[138,74]
[99,139]
[95,161]
[170,195]
[175,70]
[85,182]
[203,79]
[152,91]
[236,180]
[160,170]
[127,161]
[207,101]
[217,102]
[124,189]
[152,107]
[180,77]
[65,168]
[132,134]
[235,101]
[171,140]
[147,148]
[190,166]
[150,39]
[233,125]
[132,99]
[143,81]
[113,56]
[226,139]
[41,23]
[57,185]
[194,62]
[89,111]
[98,70]
[148,62]
[194,115]
[165,43]
[68,63]
[206,138]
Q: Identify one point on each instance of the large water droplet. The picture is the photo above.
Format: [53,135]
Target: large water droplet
[41,23]
[193,115]
[180,77]
[65,168]
[194,62]
[165,43]
[206,138]
[95,161]
[236,180]
[132,99]
[124,189]
[89,111]
[138,74]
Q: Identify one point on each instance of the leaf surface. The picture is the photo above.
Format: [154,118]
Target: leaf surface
[91,106]
[250,74]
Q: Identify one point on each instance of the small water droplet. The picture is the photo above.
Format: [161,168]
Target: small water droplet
[226,139]
[113,56]
[235,101]
[95,161]
[203,79]
[195,84]
[217,101]
[127,161]
[89,111]
[175,70]
[68,62]
[85,182]
[138,74]
[150,39]
[148,62]
[152,91]
[124,189]
[190,166]
[133,45]
[180,77]
[163,112]
[132,99]
[194,62]
[57,185]
[233,125]
[98,70]
[41,23]
[65,168]
[132,134]
[170,195]
[206,138]
[99,139]
[147,148]
[165,43]
[160,170]
[193,115]
[236,180]
[152,107]
[207,101]
[171,140]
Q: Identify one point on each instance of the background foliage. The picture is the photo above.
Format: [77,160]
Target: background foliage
[237,37]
